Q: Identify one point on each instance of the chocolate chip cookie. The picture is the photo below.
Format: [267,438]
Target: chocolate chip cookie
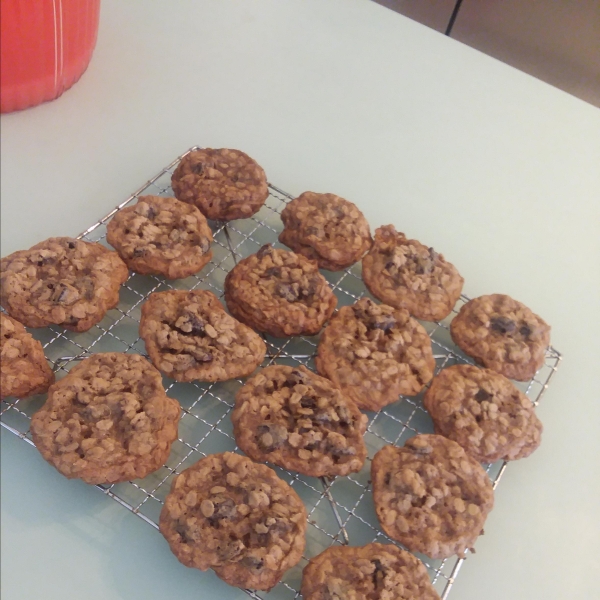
[374,571]
[430,495]
[161,236]
[224,184]
[61,281]
[236,517]
[374,353]
[325,228]
[502,334]
[23,366]
[483,412]
[108,420]
[406,274]
[189,336]
[300,421]
[279,292]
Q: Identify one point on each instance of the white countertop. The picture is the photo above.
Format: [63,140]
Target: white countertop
[499,171]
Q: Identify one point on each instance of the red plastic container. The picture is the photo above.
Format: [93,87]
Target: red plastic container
[45,45]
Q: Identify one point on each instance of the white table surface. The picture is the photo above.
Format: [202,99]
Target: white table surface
[499,171]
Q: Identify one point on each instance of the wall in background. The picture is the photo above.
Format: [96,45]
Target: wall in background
[557,41]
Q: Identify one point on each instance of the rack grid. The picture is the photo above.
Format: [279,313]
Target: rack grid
[340,510]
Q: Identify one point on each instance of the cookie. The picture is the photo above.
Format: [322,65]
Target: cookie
[61,281]
[325,228]
[374,353]
[374,571]
[279,292]
[24,370]
[108,420]
[430,495]
[236,517]
[189,336]
[161,236]
[406,274]
[224,184]
[502,334]
[300,421]
[483,412]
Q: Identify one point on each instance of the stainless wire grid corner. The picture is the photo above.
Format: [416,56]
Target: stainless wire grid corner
[340,510]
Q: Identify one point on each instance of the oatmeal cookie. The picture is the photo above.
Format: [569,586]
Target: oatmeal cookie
[108,420]
[484,413]
[300,421]
[61,281]
[430,495]
[502,334]
[374,353]
[189,336]
[375,571]
[224,184]
[406,274]
[325,228]
[23,368]
[161,236]
[279,292]
[236,517]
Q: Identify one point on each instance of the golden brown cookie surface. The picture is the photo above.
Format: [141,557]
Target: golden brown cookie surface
[406,274]
[61,281]
[236,517]
[224,184]
[430,495]
[107,420]
[325,228]
[300,421]
[23,365]
[161,236]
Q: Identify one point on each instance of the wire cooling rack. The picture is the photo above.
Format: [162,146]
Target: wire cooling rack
[340,510]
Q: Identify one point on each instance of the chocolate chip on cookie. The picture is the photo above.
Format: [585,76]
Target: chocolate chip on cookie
[236,517]
[224,184]
[161,236]
[406,274]
[374,353]
[325,228]
[61,281]
[189,336]
[279,292]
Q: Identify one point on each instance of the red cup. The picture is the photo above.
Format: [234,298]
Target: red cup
[45,47]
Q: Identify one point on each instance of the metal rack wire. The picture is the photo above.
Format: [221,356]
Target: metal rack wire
[340,510]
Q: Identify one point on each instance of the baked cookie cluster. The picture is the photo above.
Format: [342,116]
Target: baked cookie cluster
[110,420]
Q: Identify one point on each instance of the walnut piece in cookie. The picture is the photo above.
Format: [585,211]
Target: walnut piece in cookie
[61,281]
[502,334]
[189,336]
[374,353]
[300,421]
[108,420]
[23,367]
[224,184]
[406,274]
[279,292]
[431,496]
[325,228]
[483,412]
[236,517]
[161,236]
[375,571]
